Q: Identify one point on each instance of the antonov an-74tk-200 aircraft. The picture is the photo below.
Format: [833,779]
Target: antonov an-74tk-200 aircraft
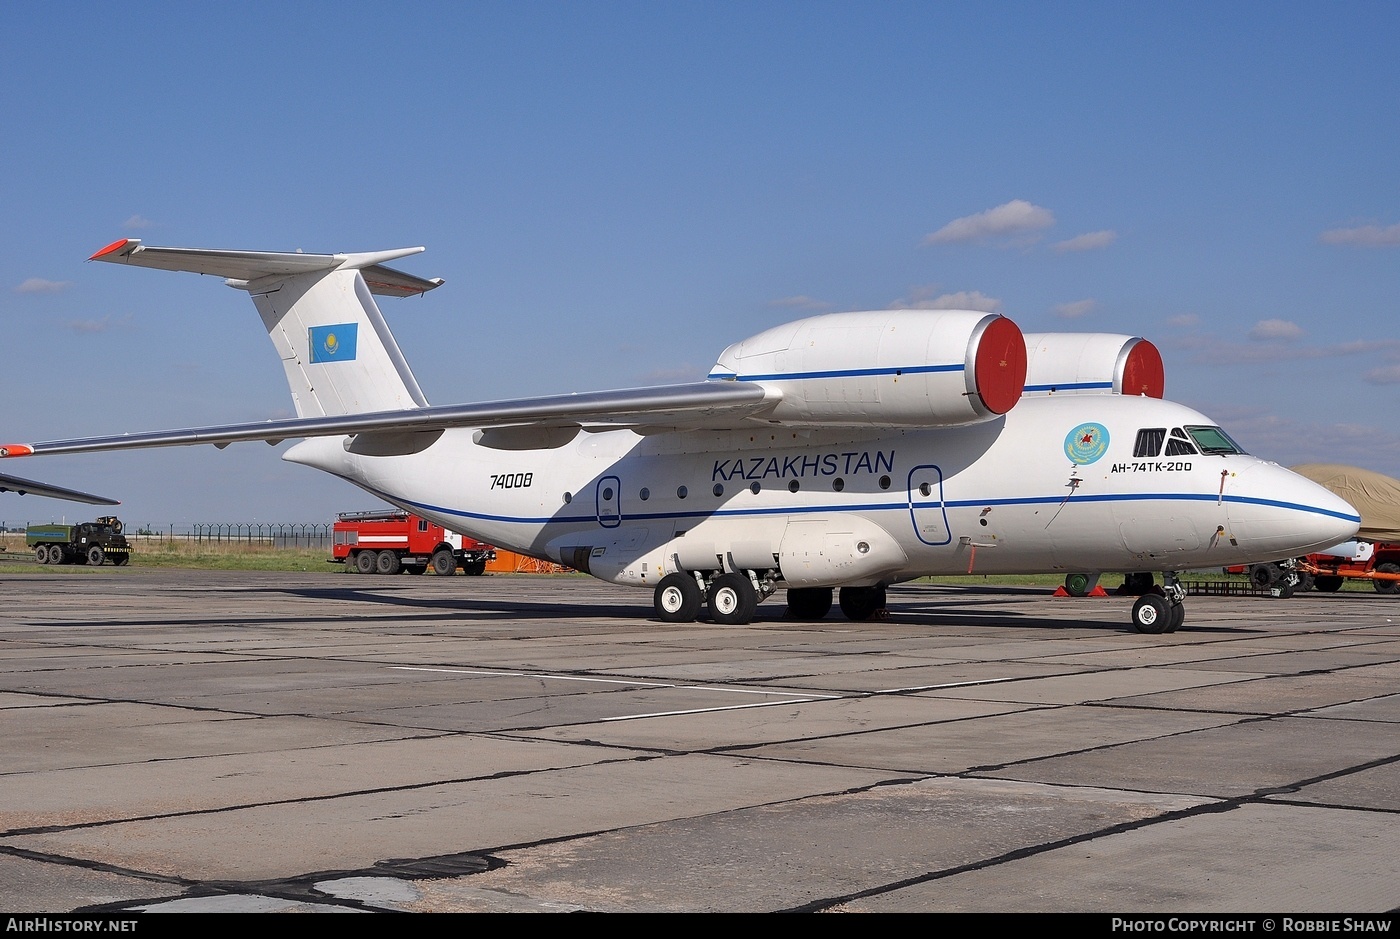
[848,451]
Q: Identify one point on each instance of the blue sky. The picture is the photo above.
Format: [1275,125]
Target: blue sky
[614,192]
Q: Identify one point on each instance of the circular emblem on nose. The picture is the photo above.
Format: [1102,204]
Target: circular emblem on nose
[1086,443]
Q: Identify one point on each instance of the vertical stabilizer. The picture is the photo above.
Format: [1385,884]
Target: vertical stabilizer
[319,311]
[338,353]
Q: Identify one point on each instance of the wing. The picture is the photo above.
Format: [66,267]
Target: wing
[697,404]
[31,488]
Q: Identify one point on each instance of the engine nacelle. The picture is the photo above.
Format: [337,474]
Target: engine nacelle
[885,368]
[1092,363]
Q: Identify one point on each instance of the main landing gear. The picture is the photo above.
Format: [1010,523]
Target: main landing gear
[1161,613]
[732,597]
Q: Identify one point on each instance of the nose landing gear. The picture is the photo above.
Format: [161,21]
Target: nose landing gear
[1164,613]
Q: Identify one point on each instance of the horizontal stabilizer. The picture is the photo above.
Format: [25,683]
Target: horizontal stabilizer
[244,266]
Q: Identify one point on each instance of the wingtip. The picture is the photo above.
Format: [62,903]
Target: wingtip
[115,247]
[16,449]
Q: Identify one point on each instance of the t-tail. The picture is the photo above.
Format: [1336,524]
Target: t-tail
[319,311]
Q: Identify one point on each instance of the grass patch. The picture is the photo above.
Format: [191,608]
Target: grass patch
[231,556]
[192,555]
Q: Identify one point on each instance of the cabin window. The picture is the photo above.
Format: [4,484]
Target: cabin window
[884,482]
[568,497]
[718,490]
[794,485]
[754,488]
[682,492]
[838,484]
[645,493]
[1149,442]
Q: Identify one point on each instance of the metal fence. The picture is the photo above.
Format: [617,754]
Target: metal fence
[267,534]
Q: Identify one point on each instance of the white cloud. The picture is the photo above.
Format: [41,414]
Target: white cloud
[1012,218]
[1075,309]
[1184,321]
[1371,236]
[1385,375]
[39,285]
[1089,241]
[1268,330]
[137,221]
[923,298]
[800,303]
[1212,350]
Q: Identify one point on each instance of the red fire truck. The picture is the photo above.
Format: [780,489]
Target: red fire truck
[391,541]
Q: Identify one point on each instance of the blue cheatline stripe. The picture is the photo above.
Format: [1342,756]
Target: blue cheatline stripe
[901,506]
[1069,386]
[842,373]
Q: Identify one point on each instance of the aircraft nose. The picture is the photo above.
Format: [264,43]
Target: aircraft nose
[1275,513]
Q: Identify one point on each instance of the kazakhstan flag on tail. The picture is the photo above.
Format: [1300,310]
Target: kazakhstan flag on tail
[334,343]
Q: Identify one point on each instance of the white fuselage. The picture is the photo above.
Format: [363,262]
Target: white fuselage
[853,506]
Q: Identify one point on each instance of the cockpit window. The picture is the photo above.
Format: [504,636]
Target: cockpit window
[1178,445]
[1213,440]
[1149,442]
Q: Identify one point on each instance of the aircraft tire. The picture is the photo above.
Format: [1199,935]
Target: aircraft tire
[95,556]
[1264,576]
[861,603]
[444,563]
[1151,614]
[1177,617]
[1079,584]
[1327,583]
[387,562]
[365,562]
[808,604]
[678,598]
[732,600]
[1387,586]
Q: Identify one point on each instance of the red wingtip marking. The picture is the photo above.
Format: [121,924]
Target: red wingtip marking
[16,449]
[114,246]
